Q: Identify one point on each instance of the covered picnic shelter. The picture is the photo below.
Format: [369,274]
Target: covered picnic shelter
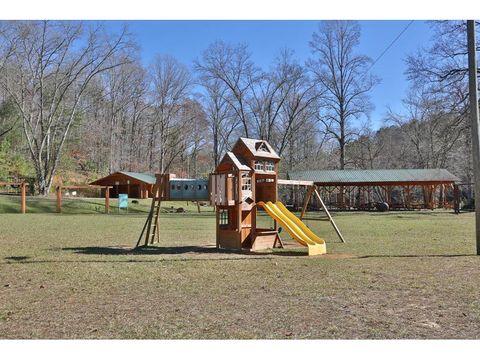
[399,188]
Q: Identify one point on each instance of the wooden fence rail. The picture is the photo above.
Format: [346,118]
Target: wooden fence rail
[59,189]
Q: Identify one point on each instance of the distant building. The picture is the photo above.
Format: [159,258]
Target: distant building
[136,185]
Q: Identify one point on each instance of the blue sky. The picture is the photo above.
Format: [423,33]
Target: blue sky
[187,39]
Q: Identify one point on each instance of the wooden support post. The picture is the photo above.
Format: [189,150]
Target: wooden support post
[456,199]
[107,199]
[408,200]
[389,196]
[23,203]
[328,214]
[425,197]
[198,206]
[59,199]
[441,201]
[307,200]
[279,240]
[342,197]
[432,196]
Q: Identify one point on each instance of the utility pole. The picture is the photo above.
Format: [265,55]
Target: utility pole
[473,88]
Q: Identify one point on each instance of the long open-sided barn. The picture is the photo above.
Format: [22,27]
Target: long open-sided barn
[136,185]
[399,188]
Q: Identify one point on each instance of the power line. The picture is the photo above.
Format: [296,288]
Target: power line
[390,45]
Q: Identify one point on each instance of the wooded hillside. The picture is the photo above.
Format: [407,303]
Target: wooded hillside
[76,102]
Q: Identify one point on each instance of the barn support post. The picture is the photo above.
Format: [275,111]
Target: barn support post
[432,196]
[59,199]
[389,196]
[23,200]
[441,200]
[425,198]
[107,199]
[428,193]
[408,199]
[456,199]
[342,197]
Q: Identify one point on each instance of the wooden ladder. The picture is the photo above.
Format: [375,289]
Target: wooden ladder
[152,234]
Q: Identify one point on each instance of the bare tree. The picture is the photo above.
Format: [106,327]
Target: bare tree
[195,136]
[343,77]
[221,119]
[138,117]
[297,106]
[431,131]
[171,85]
[271,92]
[123,86]
[50,65]
[234,68]
[442,68]
[366,150]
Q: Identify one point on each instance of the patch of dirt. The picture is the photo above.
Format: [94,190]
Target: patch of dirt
[339,256]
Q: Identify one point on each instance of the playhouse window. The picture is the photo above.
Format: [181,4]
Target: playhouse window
[246,182]
[223,217]
[269,166]
[179,187]
[258,165]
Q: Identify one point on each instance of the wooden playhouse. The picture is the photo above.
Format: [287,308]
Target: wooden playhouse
[246,175]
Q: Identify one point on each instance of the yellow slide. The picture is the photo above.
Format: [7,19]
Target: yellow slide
[295,227]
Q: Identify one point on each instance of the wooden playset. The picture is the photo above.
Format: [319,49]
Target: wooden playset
[244,182]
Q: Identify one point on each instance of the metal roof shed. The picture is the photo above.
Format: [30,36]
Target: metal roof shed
[136,185]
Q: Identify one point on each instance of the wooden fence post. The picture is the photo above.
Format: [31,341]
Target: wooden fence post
[59,199]
[23,204]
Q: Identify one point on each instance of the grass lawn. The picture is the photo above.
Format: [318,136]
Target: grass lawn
[400,275]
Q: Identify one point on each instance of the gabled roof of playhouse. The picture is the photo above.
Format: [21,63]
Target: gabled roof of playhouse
[258,148]
[237,160]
